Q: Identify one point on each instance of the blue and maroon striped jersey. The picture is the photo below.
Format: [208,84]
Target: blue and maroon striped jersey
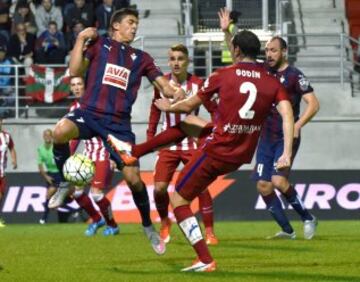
[296,84]
[114,77]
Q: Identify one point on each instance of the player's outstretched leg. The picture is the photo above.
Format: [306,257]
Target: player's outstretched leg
[310,221]
[207,214]
[161,198]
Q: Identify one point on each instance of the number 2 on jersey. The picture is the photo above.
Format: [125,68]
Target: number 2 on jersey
[245,112]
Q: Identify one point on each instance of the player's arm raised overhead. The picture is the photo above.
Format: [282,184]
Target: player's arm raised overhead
[225,21]
[78,63]
[312,107]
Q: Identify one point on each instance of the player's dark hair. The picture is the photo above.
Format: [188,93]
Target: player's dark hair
[180,48]
[283,44]
[118,15]
[248,43]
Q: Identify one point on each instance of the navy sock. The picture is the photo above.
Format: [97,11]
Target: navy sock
[141,200]
[294,200]
[46,210]
[273,205]
[61,154]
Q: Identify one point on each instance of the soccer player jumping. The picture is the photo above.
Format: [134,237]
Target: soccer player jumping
[113,79]
[246,94]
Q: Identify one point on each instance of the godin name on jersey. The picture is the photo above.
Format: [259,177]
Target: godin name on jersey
[248,73]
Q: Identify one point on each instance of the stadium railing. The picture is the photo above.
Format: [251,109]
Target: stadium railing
[205,50]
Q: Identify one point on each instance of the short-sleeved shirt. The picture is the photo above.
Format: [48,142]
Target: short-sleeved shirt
[45,157]
[246,95]
[297,85]
[114,78]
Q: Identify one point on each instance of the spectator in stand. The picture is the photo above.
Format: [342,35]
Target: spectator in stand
[80,11]
[7,99]
[24,14]
[6,145]
[5,23]
[22,46]
[103,14]
[50,46]
[70,37]
[46,13]
[119,4]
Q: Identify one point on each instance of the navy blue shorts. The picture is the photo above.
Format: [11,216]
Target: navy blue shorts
[90,125]
[56,179]
[266,156]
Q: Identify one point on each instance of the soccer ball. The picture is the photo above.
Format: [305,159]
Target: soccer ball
[78,170]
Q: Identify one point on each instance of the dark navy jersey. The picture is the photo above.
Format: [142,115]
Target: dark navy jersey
[296,84]
[114,77]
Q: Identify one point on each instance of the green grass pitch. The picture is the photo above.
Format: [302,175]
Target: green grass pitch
[56,252]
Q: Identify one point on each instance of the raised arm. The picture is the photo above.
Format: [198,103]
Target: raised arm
[78,63]
[225,21]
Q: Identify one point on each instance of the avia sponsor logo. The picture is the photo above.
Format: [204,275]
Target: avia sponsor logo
[323,196]
[116,76]
[241,128]
[123,206]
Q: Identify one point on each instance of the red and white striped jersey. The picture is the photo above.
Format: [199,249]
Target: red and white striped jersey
[191,86]
[94,147]
[6,143]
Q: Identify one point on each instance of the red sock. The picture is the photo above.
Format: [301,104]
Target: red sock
[161,203]
[84,201]
[206,210]
[183,212]
[171,135]
[105,208]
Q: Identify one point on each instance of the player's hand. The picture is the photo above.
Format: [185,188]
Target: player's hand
[224,19]
[179,94]
[88,33]
[49,179]
[284,162]
[163,104]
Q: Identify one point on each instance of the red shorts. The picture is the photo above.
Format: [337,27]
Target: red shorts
[168,161]
[103,175]
[199,173]
[2,185]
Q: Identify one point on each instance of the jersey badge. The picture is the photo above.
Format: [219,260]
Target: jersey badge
[303,82]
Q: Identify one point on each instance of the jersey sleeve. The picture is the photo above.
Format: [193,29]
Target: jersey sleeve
[92,49]
[281,94]
[154,117]
[39,157]
[303,85]
[209,88]
[151,71]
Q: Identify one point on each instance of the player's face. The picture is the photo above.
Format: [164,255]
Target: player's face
[126,29]
[77,87]
[47,137]
[178,62]
[274,54]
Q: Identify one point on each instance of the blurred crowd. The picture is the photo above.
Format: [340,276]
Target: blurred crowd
[44,31]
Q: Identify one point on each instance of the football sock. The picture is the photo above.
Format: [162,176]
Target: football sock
[162,203]
[84,201]
[141,199]
[46,210]
[105,208]
[191,229]
[294,200]
[206,210]
[273,205]
[171,135]
[61,154]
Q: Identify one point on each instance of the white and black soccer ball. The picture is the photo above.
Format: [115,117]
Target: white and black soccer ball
[79,170]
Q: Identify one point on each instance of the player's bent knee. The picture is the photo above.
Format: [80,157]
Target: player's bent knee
[264,187]
[64,131]
[177,200]
[280,183]
[161,187]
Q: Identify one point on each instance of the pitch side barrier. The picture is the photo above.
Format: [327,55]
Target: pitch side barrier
[328,194]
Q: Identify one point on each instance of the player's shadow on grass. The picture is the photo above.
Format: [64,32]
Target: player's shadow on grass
[266,245]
